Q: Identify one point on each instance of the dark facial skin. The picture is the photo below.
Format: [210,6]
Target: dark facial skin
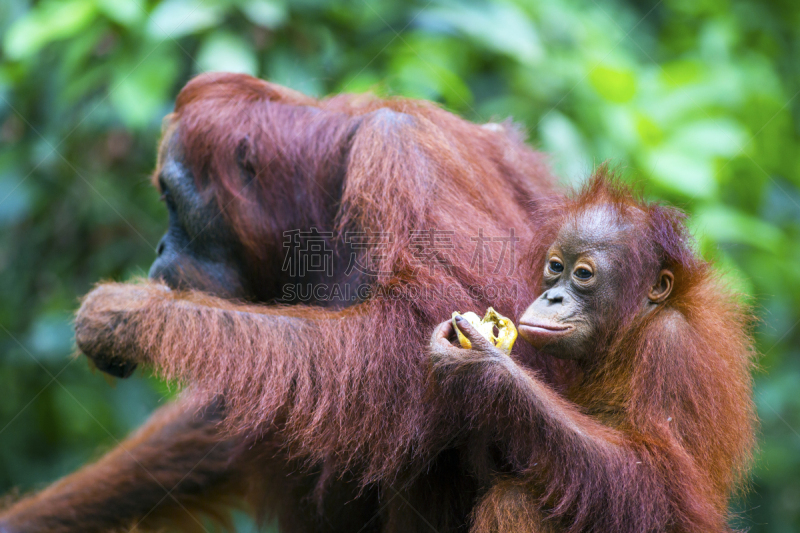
[582,284]
[199,249]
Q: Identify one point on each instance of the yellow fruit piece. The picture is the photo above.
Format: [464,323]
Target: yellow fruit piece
[506,331]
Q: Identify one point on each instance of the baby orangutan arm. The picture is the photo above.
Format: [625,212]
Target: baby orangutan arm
[572,465]
[516,394]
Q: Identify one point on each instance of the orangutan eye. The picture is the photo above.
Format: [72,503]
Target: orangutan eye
[166,196]
[582,273]
[556,266]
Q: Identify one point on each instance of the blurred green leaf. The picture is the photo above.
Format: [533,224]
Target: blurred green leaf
[566,145]
[142,86]
[14,200]
[613,84]
[733,276]
[175,18]
[125,12]
[501,27]
[649,132]
[267,13]
[227,52]
[712,137]
[427,81]
[49,22]
[724,224]
[681,72]
[51,335]
[692,177]
[287,70]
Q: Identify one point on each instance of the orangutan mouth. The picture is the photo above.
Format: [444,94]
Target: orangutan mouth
[542,330]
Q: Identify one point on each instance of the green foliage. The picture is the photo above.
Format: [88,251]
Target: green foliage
[695,100]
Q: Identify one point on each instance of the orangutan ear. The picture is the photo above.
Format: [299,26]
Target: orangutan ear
[244,157]
[659,292]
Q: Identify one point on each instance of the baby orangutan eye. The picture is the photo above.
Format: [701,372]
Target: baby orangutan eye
[582,273]
[556,266]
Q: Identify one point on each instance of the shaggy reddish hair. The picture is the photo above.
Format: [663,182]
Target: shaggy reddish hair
[339,390]
[390,165]
[346,391]
[658,433]
[355,162]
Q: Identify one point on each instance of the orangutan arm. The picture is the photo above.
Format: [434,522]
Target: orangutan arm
[570,461]
[183,334]
[172,471]
[333,381]
[182,465]
[217,344]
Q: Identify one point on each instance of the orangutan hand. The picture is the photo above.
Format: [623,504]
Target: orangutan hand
[105,326]
[447,358]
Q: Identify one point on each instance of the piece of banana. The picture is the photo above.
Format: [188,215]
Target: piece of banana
[506,331]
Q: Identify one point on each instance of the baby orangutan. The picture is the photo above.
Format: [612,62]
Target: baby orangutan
[657,432]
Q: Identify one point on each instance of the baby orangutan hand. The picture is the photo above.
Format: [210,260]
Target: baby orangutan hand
[448,358]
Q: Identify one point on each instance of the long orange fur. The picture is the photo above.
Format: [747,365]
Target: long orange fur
[345,390]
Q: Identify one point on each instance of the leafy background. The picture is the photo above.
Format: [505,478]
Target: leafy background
[696,99]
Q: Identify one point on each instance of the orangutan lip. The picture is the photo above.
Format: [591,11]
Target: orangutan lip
[543,327]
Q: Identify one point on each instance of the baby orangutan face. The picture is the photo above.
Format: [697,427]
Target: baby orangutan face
[583,285]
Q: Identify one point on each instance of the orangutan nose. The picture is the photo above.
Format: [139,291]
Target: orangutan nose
[555,295]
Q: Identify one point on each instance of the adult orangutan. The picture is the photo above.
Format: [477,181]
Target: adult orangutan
[315,401]
[659,431]
[311,411]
